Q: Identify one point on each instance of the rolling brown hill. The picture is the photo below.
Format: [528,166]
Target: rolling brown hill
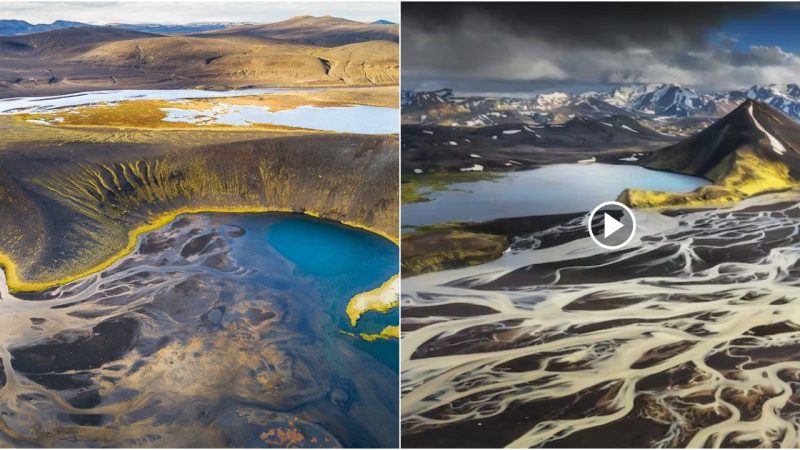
[276,55]
[324,31]
[69,40]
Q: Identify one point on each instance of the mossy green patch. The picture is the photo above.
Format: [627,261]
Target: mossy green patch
[738,176]
[415,188]
[448,248]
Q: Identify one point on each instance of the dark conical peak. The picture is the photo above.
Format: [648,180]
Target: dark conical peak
[749,108]
[749,103]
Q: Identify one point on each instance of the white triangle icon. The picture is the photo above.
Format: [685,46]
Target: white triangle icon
[610,225]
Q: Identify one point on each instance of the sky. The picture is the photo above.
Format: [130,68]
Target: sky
[539,47]
[182,12]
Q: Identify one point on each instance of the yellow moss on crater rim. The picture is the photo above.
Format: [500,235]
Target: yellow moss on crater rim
[17,284]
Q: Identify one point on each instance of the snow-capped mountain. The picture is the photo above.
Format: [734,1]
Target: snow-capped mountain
[547,102]
[621,96]
[670,100]
[430,106]
[785,97]
[653,101]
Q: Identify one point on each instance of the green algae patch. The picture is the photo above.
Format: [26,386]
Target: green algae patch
[415,188]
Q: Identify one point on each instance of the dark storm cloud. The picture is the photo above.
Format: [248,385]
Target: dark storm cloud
[536,43]
[595,24]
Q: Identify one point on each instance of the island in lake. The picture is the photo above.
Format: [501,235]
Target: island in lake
[517,330]
[199,229]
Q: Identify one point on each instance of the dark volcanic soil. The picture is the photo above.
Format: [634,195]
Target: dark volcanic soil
[448,149]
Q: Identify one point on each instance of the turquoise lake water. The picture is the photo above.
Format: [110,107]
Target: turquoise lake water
[556,189]
[337,261]
[343,262]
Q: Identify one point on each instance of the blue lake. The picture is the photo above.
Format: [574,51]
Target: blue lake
[556,189]
[39,104]
[346,119]
[335,260]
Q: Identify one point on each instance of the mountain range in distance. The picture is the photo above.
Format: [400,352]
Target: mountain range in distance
[11,27]
[651,101]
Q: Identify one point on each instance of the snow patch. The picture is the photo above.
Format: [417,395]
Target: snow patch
[427,131]
[629,129]
[776,144]
[46,122]
[418,171]
[472,168]
[512,131]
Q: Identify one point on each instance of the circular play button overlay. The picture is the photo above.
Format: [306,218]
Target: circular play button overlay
[612,225]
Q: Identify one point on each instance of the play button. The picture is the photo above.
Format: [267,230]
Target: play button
[616,223]
[610,225]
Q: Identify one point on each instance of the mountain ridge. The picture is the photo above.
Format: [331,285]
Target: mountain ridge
[15,27]
[324,31]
